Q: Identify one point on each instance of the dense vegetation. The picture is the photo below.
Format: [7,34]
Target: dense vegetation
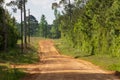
[7,29]
[48,31]
[33,25]
[10,49]
[43,27]
[14,56]
[88,27]
[92,26]
[55,31]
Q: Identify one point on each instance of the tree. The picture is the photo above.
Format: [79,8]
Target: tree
[25,24]
[43,27]
[95,26]
[55,32]
[21,5]
[33,25]
[1,2]
[1,25]
[7,30]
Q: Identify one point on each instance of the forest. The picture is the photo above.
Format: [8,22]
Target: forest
[8,29]
[88,28]
[92,26]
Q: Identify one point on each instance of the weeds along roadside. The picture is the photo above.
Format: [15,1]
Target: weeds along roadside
[107,62]
[14,56]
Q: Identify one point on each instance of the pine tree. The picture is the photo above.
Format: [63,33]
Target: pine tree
[43,27]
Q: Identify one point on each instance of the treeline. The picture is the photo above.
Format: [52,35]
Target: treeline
[92,26]
[8,31]
[47,31]
[41,28]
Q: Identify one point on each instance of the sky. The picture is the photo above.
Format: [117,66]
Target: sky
[37,7]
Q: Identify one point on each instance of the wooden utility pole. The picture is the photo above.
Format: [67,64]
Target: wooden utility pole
[25,25]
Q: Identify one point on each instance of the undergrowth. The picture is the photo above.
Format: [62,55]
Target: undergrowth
[14,56]
[105,61]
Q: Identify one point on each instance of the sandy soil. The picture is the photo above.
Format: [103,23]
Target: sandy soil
[53,66]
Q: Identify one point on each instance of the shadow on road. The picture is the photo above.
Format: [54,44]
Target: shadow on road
[69,76]
[53,66]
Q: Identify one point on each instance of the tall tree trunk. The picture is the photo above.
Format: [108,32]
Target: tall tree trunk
[29,25]
[21,28]
[25,25]
[5,31]
[70,11]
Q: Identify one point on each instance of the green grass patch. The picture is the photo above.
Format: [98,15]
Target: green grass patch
[14,56]
[7,73]
[107,62]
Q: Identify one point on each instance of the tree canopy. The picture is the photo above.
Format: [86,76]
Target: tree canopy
[93,27]
[7,29]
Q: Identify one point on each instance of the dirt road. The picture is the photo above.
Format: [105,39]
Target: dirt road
[53,66]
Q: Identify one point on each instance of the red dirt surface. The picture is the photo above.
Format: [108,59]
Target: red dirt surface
[53,66]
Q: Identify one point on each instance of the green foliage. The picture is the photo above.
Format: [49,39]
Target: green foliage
[12,34]
[33,25]
[55,33]
[43,27]
[7,27]
[93,33]
[49,31]
[7,73]
[105,61]
[92,28]
[15,56]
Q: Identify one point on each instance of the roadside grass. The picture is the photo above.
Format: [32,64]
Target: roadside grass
[106,62]
[14,56]
[7,73]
